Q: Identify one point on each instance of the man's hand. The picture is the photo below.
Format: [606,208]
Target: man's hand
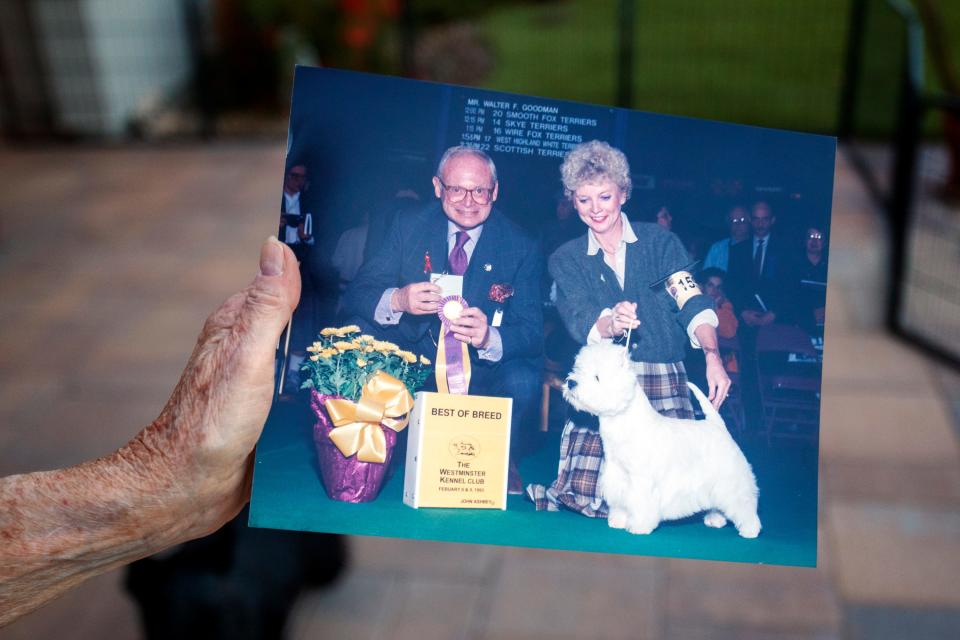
[417,298]
[758,319]
[302,233]
[751,317]
[182,477]
[472,327]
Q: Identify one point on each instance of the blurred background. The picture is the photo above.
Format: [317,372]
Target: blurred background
[142,153]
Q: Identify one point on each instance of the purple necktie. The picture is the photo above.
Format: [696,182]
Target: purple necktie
[458,257]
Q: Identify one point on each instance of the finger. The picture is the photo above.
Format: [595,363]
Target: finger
[476,316]
[273,294]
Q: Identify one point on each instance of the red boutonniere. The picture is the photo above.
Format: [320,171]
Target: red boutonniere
[500,292]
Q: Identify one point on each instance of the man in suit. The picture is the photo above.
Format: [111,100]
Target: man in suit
[760,272]
[461,233]
[293,211]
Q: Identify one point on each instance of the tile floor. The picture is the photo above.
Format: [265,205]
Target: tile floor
[111,258]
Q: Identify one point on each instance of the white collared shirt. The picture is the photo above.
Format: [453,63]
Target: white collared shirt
[291,205]
[618,261]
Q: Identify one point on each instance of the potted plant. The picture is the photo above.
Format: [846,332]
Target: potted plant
[361,390]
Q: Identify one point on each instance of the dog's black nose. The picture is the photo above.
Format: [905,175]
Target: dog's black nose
[571,383]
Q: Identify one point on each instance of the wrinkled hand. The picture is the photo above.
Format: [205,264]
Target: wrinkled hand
[417,298]
[718,382]
[198,455]
[472,327]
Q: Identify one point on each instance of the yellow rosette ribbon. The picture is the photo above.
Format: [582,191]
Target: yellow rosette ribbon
[358,426]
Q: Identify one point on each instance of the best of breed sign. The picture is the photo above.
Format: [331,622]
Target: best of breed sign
[458,449]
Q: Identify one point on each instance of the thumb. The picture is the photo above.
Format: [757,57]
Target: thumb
[274,292]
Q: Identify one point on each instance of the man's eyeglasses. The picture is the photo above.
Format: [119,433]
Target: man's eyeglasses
[739,220]
[815,236]
[456,193]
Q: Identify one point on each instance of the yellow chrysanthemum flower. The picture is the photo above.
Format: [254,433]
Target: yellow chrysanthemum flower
[361,362]
[329,331]
[366,338]
[347,330]
[408,357]
[424,360]
[328,353]
[385,347]
[344,346]
[369,349]
[314,358]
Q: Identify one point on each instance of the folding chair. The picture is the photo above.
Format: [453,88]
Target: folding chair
[789,389]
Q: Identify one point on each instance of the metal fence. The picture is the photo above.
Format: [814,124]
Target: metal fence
[885,86]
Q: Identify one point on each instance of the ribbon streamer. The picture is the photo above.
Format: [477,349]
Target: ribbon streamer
[453,376]
[384,402]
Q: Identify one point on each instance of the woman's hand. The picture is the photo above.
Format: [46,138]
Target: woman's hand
[718,382]
[623,318]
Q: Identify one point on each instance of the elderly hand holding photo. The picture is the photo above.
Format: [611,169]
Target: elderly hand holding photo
[181,478]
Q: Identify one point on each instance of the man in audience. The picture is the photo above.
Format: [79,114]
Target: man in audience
[294,228]
[718,255]
[760,273]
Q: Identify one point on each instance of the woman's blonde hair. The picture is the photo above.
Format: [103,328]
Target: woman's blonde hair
[592,162]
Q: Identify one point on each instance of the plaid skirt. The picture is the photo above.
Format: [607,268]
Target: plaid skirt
[581,449]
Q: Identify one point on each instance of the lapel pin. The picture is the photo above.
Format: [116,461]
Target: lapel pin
[487,267]
[602,279]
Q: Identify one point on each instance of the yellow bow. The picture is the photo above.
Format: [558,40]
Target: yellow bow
[383,400]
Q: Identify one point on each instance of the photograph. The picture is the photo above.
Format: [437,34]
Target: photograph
[540,323]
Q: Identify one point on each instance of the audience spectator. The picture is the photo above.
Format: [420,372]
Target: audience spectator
[812,280]
[759,281]
[295,218]
[711,281]
[719,253]
[664,218]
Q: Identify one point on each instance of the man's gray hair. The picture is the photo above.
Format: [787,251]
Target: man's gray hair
[593,162]
[463,150]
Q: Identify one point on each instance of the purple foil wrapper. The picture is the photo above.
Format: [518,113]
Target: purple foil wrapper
[346,479]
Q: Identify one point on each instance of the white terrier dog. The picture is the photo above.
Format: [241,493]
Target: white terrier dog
[657,468]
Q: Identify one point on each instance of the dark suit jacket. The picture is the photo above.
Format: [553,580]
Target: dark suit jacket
[586,286]
[514,258]
[775,284]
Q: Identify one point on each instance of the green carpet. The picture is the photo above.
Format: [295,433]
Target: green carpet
[287,494]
